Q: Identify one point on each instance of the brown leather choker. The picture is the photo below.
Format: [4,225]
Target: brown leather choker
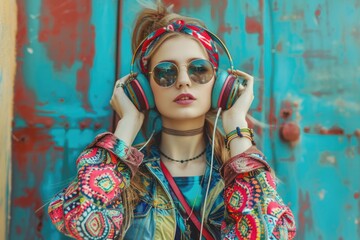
[190,132]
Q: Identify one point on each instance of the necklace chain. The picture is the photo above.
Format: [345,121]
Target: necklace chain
[183,160]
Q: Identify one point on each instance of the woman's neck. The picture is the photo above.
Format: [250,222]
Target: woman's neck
[182,148]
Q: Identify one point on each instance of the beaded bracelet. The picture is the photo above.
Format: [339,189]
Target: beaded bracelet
[239,132]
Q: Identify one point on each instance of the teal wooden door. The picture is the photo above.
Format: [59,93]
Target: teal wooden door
[66,68]
[315,105]
[305,59]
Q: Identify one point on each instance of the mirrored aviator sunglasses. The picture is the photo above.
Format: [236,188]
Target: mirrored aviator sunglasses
[199,71]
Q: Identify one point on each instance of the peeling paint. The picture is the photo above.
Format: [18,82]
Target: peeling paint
[272,116]
[275,6]
[68,35]
[30,140]
[178,4]
[307,129]
[218,11]
[29,151]
[29,199]
[357,133]
[85,123]
[248,65]
[350,152]
[295,16]
[305,223]
[30,50]
[24,98]
[347,107]
[317,14]
[260,104]
[291,158]
[322,194]
[261,85]
[286,109]
[327,158]
[335,130]
[253,26]
[356,195]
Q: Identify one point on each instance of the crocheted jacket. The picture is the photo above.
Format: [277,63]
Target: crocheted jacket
[243,202]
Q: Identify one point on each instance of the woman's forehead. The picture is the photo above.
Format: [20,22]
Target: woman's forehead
[180,48]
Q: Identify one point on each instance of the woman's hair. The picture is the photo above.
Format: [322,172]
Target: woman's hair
[151,18]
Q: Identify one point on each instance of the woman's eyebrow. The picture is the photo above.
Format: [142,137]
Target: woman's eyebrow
[191,59]
[177,63]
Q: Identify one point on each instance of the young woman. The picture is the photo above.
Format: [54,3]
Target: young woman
[162,192]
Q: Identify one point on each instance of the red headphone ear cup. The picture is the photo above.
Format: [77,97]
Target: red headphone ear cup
[224,93]
[139,92]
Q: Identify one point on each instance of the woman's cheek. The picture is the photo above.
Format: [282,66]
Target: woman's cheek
[161,101]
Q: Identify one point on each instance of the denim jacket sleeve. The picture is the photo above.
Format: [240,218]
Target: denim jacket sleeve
[254,209]
[91,206]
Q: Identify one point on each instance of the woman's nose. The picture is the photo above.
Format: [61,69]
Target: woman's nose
[183,77]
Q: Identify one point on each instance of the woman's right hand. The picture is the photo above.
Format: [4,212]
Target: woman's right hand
[131,119]
[120,101]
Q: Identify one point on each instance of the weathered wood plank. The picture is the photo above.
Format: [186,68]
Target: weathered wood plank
[8,26]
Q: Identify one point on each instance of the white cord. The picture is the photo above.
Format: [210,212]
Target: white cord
[211,168]
[152,134]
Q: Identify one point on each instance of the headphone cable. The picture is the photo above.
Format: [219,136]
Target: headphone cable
[211,169]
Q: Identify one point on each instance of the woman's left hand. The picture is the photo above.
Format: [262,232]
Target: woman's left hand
[236,115]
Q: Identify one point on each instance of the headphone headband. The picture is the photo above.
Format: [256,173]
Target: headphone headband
[221,44]
[212,35]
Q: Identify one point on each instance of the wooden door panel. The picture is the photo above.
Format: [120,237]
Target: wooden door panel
[315,83]
[66,68]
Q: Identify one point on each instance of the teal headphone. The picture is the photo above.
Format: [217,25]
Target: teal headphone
[224,93]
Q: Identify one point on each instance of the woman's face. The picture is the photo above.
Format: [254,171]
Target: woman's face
[169,101]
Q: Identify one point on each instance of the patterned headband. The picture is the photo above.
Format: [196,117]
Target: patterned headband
[178,26]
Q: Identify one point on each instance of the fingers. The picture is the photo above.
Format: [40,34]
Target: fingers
[119,101]
[248,85]
[119,84]
[246,76]
[117,96]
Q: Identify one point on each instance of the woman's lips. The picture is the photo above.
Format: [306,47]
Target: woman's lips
[184,99]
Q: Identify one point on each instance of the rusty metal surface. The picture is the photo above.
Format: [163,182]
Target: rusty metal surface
[304,55]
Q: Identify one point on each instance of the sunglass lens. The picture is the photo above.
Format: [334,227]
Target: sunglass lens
[201,71]
[165,74]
